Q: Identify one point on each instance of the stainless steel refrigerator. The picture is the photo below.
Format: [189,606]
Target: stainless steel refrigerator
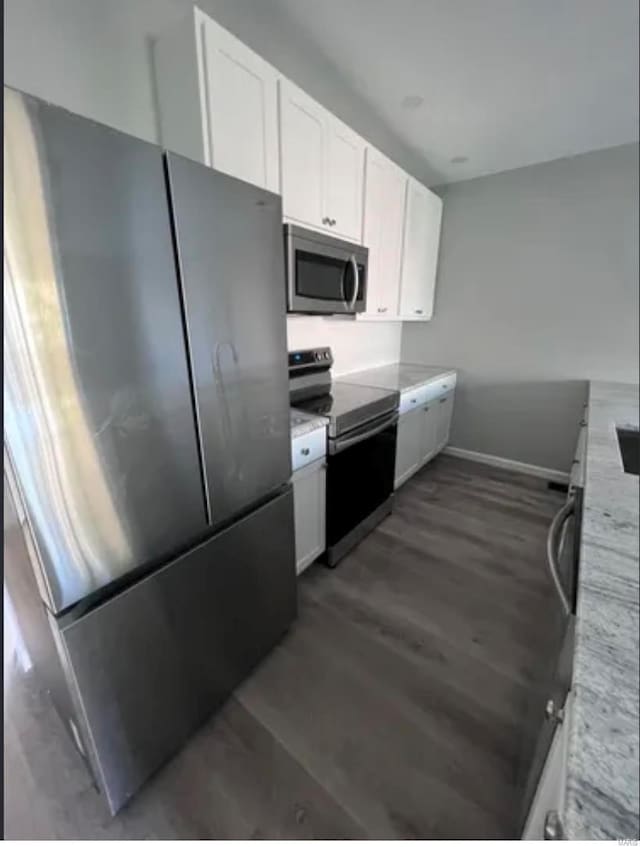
[151,559]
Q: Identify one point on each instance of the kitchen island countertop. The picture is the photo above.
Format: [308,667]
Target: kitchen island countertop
[602,787]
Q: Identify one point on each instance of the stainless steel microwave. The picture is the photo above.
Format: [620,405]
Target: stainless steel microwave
[325,275]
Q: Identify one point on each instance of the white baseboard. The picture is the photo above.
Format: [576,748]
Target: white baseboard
[509,464]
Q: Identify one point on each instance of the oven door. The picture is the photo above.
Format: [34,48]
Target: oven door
[360,475]
[324,275]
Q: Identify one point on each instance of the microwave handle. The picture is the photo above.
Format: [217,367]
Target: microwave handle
[342,289]
[356,282]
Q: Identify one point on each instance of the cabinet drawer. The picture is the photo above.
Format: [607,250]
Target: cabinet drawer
[412,399]
[439,387]
[308,448]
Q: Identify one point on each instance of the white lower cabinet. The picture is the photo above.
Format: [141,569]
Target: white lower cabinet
[423,431]
[430,421]
[309,492]
[443,414]
[409,445]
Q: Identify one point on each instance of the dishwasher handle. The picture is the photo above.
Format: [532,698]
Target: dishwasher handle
[553,544]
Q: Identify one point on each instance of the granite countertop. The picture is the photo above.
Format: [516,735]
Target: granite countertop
[602,788]
[400,376]
[304,422]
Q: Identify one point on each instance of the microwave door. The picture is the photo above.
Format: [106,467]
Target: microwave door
[324,275]
[318,282]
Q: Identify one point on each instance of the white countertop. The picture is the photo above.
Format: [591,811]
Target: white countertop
[602,790]
[401,376]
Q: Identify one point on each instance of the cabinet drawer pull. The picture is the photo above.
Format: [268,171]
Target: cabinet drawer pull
[305,451]
[443,399]
[417,311]
[326,221]
[382,309]
[414,400]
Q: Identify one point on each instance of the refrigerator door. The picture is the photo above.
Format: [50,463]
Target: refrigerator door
[230,250]
[98,409]
[152,663]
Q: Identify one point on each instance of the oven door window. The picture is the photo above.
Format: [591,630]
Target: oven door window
[321,277]
[358,481]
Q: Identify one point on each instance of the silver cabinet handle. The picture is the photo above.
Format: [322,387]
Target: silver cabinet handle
[443,399]
[552,713]
[305,451]
[553,537]
[382,309]
[417,311]
[553,827]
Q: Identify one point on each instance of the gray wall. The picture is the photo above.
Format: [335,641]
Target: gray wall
[94,58]
[537,292]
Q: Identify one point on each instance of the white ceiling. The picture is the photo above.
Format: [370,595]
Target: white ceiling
[504,83]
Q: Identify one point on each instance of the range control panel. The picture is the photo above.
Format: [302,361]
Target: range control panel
[318,358]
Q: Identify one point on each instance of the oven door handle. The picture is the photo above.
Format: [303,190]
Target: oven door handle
[344,443]
[555,531]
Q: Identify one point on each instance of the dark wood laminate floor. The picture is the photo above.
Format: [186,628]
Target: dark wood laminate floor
[393,708]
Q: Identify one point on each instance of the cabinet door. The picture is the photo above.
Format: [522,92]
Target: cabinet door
[420,253]
[430,421]
[309,492]
[444,413]
[384,205]
[242,109]
[409,445]
[344,180]
[303,155]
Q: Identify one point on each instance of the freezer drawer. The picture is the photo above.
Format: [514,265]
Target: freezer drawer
[152,663]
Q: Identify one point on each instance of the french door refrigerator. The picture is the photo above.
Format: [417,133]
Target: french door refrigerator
[146,424]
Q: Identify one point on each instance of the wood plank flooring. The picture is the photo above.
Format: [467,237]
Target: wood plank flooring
[393,708]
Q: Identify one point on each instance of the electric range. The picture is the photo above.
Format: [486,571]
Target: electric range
[361,454]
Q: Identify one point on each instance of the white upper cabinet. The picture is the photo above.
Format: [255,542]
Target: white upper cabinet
[218,101]
[383,228]
[322,166]
[221,104]
[420,252]
[345,173]
[303,155]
